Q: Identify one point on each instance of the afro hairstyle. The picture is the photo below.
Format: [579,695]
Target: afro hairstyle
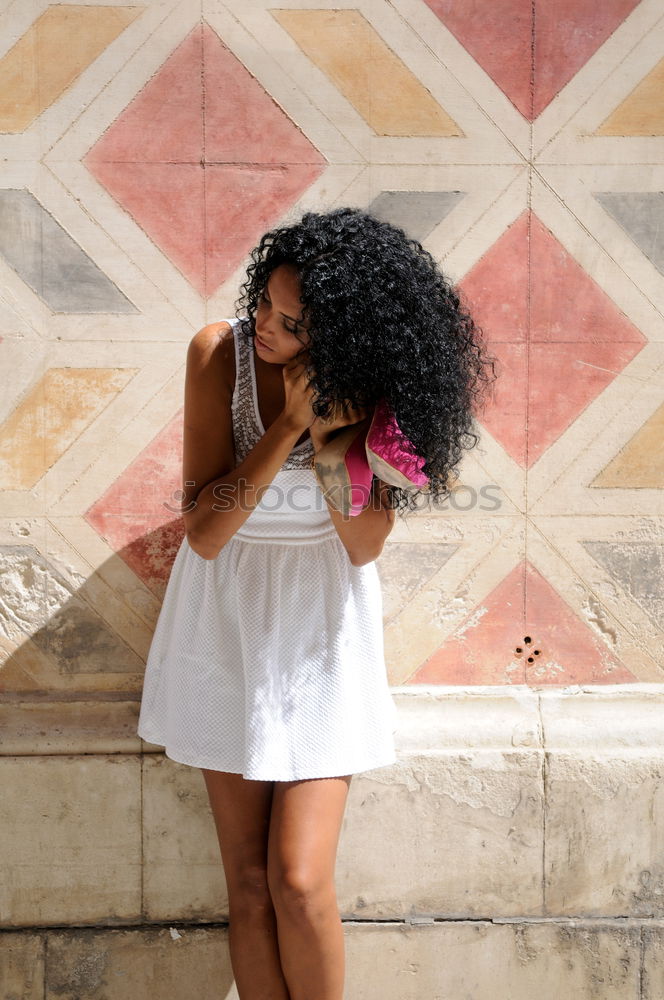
[384,322]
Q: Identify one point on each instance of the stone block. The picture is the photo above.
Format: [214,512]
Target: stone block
[183,876]
[70,839]
[22,957]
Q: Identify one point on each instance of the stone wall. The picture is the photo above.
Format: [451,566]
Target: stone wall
[145,147]
[516,847]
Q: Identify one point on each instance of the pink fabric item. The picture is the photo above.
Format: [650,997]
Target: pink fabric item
[389,452]
[380,449]
[342,470]
[360,475]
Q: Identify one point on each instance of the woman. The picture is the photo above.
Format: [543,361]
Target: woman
[266,669]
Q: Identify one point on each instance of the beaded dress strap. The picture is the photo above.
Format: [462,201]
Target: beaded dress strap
[247,424]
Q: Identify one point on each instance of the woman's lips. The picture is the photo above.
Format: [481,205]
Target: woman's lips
[263,344]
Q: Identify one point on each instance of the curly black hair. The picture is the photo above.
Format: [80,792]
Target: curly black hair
[384,322]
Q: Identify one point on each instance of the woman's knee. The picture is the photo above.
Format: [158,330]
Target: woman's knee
[248,889]
[301,888]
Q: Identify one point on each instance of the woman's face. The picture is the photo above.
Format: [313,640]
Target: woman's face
[280,331]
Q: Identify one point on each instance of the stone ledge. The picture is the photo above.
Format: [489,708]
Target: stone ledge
[502,802]
[432,718]
[84,725]
[394,961]
[576,717]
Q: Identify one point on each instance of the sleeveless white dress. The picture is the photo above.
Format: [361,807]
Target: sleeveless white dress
[268,660]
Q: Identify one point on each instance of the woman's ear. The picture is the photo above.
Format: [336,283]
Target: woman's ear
[303,355]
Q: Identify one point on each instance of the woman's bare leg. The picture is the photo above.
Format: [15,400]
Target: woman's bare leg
[304,834]
[241,810]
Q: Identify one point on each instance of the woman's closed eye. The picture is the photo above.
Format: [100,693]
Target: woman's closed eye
[287,328]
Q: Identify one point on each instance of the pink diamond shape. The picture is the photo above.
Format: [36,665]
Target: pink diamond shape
[482,649]
[204,160]
[132,515]
[514,39]
[560,340]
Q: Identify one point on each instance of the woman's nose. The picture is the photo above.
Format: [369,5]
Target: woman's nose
[264,331]
[264,318]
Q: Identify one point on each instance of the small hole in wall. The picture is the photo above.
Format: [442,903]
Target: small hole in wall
[531,653]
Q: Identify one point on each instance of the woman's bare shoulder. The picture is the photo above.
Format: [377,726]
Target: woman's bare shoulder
[212,352]
[212,337]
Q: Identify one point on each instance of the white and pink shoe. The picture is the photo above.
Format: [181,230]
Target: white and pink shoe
[346,465]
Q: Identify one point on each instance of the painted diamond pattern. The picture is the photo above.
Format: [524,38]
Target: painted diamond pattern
[51,262]
[568,324]
[204,160]
[488,646]
[531,50]
[137,514]
[563,268]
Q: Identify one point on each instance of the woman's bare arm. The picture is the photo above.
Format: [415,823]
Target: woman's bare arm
[364,534]
[209,473]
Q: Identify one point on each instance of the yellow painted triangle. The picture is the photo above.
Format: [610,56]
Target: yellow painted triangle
[50,418]
[640,464]
[52,53]
[642,112]
[368,73]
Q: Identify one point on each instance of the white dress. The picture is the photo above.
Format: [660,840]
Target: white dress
[268,660]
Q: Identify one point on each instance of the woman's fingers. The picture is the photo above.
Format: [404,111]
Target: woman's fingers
[343,414]
[358,413]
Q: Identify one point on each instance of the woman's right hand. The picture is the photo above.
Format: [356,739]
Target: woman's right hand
[299,393]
